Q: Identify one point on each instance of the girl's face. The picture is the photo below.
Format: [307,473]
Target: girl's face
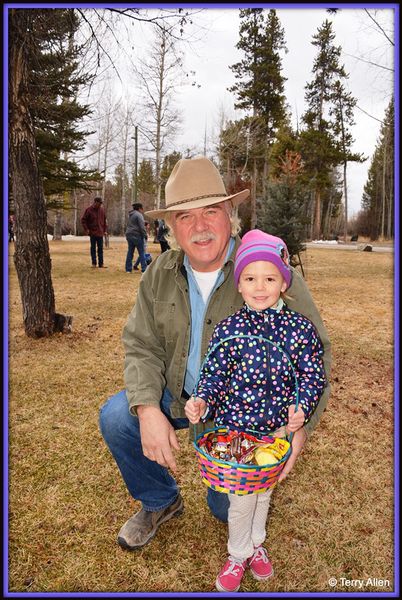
[261,284]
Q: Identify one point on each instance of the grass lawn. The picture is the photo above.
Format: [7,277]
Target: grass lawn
[332,517]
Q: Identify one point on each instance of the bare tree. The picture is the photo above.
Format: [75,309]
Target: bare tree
[159,78]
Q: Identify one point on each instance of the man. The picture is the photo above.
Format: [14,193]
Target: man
[95,225]
[183,294]
[136,235]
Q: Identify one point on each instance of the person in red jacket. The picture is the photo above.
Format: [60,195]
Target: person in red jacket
[95,225]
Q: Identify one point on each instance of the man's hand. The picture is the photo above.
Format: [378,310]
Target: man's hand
[158,438]
[194,409]
[298,442]
[295,419]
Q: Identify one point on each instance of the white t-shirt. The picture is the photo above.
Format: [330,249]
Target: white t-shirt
[206,282]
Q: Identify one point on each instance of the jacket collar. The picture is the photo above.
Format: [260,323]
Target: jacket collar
[267,312]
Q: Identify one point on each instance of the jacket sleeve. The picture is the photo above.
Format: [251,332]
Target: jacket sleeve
[214,375]
[299,299]
[311,374]
[84,220]
[145,355]
[141,225]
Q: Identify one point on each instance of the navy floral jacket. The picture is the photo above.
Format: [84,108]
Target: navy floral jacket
[248,383]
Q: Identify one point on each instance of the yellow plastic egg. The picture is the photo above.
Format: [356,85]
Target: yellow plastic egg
[264,457]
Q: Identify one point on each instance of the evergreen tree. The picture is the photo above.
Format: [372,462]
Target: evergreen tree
[56,113]
[324,142]
[260,89]
[283,211]
[168,163]
[378,195]
[146,180]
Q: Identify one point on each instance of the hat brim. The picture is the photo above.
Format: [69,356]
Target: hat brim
[199,203]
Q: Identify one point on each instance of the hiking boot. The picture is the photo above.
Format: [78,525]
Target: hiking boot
[260,565]
[141,527]
[231,574]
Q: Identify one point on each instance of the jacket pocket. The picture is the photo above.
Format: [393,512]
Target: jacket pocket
[165,322]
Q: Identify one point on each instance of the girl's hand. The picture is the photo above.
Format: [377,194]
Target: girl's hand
[298,442]
[194,409]
[295,419]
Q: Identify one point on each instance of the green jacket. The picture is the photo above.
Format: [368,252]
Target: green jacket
[156,336]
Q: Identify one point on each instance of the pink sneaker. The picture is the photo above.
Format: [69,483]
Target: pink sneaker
[260,565]
[231,574]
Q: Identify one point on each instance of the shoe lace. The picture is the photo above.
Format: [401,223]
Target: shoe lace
[234,567]
[260,554]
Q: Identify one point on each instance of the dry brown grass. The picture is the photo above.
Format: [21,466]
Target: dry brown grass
[333,517]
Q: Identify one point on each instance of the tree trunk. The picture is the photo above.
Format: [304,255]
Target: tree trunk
[253,199]
[345,195]
[317,216]
[32,257]
[57,226]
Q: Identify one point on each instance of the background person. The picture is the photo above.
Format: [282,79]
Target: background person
[244,385]
[95,225]
[136,236]
[181,297]
[161,236]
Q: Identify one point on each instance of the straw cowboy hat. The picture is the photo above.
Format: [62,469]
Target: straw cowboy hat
[195,183]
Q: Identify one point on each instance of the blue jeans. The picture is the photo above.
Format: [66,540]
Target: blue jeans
[134,243]
[146,481]
[96,242]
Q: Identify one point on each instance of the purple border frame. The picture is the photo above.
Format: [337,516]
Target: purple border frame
[8,594]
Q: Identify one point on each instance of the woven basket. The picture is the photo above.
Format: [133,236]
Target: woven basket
[236,478]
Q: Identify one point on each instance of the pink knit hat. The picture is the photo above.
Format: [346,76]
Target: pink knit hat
[258,245]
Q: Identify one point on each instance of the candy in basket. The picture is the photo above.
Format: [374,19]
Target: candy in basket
[240,463]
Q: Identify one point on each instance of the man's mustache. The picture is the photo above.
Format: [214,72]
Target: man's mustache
[203,237]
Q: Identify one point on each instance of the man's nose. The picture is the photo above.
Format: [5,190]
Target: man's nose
[200,223]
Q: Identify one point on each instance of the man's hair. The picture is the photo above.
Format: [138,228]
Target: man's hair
[137,205]
[98,199]
[234,221]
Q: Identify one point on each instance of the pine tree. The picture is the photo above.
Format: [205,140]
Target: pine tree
[56,113]
[325,141]
[260,89]
[378,194]
[284,211]
[146,180]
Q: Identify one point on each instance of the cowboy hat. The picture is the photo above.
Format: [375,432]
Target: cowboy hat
[195,183]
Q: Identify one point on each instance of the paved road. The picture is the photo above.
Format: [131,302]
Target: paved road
[357,246]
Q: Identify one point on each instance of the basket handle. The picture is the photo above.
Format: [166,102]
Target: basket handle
[250,337]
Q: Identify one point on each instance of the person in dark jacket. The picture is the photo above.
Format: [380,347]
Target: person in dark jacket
[95,225]
[161,236]
[136,235]
[246,384]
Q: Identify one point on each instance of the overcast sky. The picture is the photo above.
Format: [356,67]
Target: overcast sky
[217,32]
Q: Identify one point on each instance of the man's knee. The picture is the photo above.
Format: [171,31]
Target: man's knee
[218,504]
[114,415]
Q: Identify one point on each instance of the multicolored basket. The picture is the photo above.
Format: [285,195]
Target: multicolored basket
[236,478]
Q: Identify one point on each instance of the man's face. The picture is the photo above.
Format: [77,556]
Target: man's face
[97,204]
[203,234]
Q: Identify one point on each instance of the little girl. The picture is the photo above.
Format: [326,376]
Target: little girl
[248,385]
